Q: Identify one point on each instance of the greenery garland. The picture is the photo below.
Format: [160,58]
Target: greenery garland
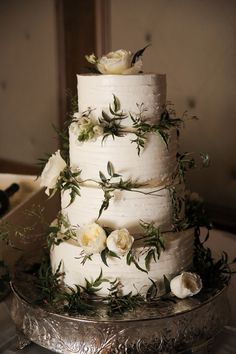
[79,300]
[111,124]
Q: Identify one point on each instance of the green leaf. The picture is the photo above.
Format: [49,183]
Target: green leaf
[164,136]
[130,259]
[166,284]
[106,117]
[116,103]
[113,254]
[105,203]
[110,169]
[94,286]
[107,253]
[138,54]
[104,255]
[150,255]
[102,177]
[152,291]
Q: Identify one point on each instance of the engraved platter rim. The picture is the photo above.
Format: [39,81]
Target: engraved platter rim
[189,323]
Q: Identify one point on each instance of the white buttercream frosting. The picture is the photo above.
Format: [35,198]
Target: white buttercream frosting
[126,208]
[176,258]
[156,161]
[96,92]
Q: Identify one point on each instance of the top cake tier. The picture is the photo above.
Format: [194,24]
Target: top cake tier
[96,92]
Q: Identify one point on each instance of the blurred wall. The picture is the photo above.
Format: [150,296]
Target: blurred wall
[28,79]
[194,43]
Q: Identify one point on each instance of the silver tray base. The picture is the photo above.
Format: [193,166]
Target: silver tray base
[185,327]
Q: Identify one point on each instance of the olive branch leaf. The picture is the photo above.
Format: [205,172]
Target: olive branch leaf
[154,242]
[111,123]
[69,180]
[108,186]
[106,253]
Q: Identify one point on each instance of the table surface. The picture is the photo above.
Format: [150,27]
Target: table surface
[225,343]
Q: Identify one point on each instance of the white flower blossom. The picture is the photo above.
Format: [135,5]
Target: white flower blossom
[120,241]
[86,128]
[118,62]
[186,284]
[98,130]
[92,238]
[51,171]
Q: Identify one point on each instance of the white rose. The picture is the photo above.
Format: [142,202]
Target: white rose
[115,62]
[52,170]
[92,238]
[186,284]
[120,241]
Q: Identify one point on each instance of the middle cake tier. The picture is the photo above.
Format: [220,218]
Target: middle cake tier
[125,208]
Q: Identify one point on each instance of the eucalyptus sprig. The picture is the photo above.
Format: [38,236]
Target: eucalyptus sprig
[214,274]
[93,286]
[111,123]
[75,302]
[49,282]
[84,257]
[109,187]
[131,258]
[71,300]
[153,292]
[186,161]
[142,128]
[59,231]
[177,202]
[106,253]
[69,180]
[154,241]
[195,214]
[120,304]
[63,132]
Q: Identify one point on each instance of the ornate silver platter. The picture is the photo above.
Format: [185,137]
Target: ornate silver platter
[186,326]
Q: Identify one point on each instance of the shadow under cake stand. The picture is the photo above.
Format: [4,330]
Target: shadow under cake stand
[164,327]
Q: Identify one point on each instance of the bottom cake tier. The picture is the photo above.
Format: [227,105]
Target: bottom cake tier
[134,277]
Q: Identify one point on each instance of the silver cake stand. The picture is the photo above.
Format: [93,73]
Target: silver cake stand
[186,326]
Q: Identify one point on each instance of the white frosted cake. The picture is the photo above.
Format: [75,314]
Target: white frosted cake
[121,192]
